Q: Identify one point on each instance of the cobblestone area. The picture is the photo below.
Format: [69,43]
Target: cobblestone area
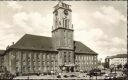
[79,76]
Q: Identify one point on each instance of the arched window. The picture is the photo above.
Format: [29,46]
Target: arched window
[64,56]
[66,23]
[69,57]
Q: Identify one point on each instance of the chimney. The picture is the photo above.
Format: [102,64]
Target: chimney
[12,43]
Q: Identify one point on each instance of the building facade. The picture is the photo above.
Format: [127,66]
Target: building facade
[114,61]
[59,53]
[107,62]
[31,61]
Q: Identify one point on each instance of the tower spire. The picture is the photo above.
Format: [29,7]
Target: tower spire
[60,1]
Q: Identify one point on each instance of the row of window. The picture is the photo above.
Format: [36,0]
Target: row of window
[87,63]
[86,58]
[38,57]
[45,63]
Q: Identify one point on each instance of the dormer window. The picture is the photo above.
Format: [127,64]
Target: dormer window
[66,23]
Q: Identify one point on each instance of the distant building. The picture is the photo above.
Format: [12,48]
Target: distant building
[100,64]
[1,60]
[38,54]
[107,60]
[114,61]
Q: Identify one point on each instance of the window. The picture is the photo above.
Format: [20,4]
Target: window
[66,23]
[56,22]
[64,56]
[69,56]
[59,23]
[16,68]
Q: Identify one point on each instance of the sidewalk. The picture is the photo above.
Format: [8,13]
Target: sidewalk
[54,77]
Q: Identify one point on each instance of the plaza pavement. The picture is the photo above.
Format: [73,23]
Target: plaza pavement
[79,76]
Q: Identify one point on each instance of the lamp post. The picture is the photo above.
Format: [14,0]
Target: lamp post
[115,69]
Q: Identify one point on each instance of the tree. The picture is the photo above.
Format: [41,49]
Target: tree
[126,65]
[126,69]
[6,75]
[119,66]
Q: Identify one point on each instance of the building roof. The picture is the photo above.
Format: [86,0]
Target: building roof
[35,42]
[118,56]
[81,48]
[2,52]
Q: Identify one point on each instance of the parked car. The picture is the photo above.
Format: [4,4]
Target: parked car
[73,76]
[66,76]
[81,71]
[47,73]
[85,71]
[94,72]
[41,74]
[111,76]
[102,73]
[58,76]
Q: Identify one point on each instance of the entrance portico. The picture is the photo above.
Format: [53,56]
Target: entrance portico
[68,68]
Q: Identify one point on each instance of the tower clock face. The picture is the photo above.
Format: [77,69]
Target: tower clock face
[66,12]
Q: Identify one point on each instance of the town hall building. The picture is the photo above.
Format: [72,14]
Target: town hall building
[59,53]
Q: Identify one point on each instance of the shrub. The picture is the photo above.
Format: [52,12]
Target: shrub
[58,76]
[66,76]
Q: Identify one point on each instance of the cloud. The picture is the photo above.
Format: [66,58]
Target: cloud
[7,35]
[33,23]
[23,22]
[117,40]
[4,29]
[14,5]
[110,15]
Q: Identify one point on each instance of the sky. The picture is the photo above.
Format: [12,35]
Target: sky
[100,25]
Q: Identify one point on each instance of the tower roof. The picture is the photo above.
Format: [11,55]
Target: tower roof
[62,5]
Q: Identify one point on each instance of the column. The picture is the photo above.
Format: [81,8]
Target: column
[26,61]
[41,61]
[32,64]
[36,62]
[45,61]
[21,59]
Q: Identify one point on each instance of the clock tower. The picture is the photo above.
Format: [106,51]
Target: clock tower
[62,35]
